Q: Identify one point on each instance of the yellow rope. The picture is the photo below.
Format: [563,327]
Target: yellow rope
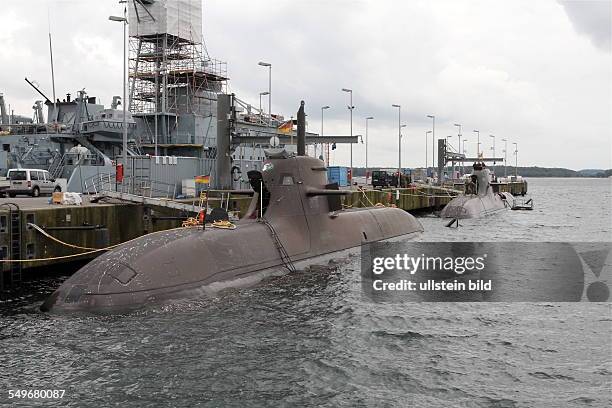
[51,237]
[191,222]
[224,224]
[91,250]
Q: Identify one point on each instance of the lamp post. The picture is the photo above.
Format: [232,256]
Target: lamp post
[433,142]
[269,66]
[493,148]
[478,144]
[426,167]
[260,108]
[350,108]
[323,108]
[123,101]
[448,138]
[399,135]
[400,173]
[505,157]
[369,118]
[459,145]
[515,160]
[463,149]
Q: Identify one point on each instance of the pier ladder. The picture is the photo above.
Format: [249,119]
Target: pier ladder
[15,234]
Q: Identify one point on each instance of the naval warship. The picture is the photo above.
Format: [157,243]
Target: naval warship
[171,114]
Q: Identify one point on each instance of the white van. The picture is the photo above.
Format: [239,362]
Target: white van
[32,182]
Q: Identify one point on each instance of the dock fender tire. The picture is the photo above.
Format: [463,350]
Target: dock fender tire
[35,192]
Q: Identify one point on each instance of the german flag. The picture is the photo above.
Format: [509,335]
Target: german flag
[286,127]
[202,179]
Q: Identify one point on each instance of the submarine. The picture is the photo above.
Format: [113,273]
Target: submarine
[295,217]
[479,199]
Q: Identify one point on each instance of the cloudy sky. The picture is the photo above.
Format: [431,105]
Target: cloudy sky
[536,72]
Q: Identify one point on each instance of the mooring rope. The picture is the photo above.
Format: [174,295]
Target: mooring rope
[89,251]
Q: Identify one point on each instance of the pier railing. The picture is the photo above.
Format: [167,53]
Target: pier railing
[102,182]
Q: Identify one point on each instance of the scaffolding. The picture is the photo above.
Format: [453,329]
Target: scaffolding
[170,72]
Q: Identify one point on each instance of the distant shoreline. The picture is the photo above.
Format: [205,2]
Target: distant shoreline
[534,171]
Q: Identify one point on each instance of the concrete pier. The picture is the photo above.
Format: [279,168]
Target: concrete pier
[98,225]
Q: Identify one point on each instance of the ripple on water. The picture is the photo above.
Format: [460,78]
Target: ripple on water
[312,339]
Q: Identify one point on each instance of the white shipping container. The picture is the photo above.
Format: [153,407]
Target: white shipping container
[181,18]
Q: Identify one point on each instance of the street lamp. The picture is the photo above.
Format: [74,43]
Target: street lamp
[463,149]
[493,148]
[505,157]
[267,64]
[515,160]
[448,138]
[433,141]
[327,152]
[399,135]
[123,101]
[350,108]
[366,146]
[426,167]
[459,144]
[478,144]
[260,108]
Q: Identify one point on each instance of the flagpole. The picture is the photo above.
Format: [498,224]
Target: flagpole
[207,196]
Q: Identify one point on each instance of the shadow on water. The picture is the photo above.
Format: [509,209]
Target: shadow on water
[36,285]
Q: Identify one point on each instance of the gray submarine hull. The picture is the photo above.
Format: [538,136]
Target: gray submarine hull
[474,206]
[482,202]
[299,207]
[179,263]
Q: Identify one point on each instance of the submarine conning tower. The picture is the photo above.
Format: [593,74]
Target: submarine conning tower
[293,184]
[483,176]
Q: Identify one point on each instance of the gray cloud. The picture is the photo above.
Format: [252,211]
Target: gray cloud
[516,69]
[592,18]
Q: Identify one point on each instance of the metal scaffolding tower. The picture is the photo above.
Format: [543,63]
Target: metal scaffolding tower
[171,74]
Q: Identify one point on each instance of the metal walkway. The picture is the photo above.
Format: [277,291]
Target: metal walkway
[159,202]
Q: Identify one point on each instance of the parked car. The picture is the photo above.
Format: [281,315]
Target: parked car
[32,182]
[384,179]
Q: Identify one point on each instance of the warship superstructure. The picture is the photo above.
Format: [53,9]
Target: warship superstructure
[172,116]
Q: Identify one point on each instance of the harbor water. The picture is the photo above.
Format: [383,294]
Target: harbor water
[312,339]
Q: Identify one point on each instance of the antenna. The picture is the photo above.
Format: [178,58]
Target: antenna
[52,72]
